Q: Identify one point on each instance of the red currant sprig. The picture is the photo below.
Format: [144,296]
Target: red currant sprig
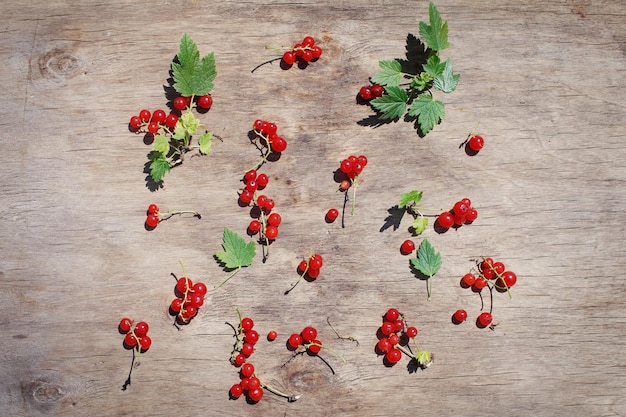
[189,298]
[309,269]
[135,338]
[308,341]
[462,213]
[306,51]
[249,383]
[152,122]
[154,215]
[270,140]
[393,341]
[351,168]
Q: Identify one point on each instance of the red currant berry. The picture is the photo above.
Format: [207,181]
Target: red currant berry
[377,90]
[278,144]
[246,324]
[251,336]
[383,345]
[509,278]
[458,219]
[158,116]
[271,232]
[144,343]
[408,246]
[254,227]
[314,347]
[476,143]
[251,186]
[484,319]
[316,261]
[411,332]
[239,360]
[308,334]
[253,383]
[302,266]
[346,166]
[195,300]
[171,120]
[498,268]
[236,391]
[144,115]
[472,214]
[344,185]
[393,355]
[459,316]
[289,57]
[298,48]
[479,284]
[183,285]
[153,209]
[152,221]
[274,219]
[125,325]
[387,328]
[357,168]
[245,197]
[179,103]
[398,325]
[294,340]
[247,349]
[141,329]
[135,122]
[176,305]
[308,41]
[272,335]
[394,339]
[247,369]
[255,394]
[392,315]
[188,312]
[365,93]
[307,56]
[269,205]
[250,175]
[445,220]
[460,209]
[153,127]
[130,340]
[199,288]
[316,51]
[205,102]
[362,159]
[262,180]
[313,273]
[332,215]
[468,279]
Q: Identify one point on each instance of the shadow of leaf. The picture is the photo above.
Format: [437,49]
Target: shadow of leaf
[393,219]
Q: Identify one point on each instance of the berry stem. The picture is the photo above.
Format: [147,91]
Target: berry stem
[429,286]
[334,352]
[269,61]
[290,398]
[299,278]
[172,213]
[355,185]
[265,155]
[352,338]
[232,274]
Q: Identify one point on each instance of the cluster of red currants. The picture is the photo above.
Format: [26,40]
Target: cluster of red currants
[189,298]
[462,213]
[370,92]
[154,216]
[352,166]
[491,274]
[306,338]
[136,337]
[392,336]
[264,222]
[204,102]
[249,384]
[268,131]
[153,121]
[306,51]
[311,267]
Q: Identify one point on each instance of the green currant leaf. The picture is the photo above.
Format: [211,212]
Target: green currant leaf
[419,82]
[189,122]
[237,253]
[424,357]
[159,166]
[412,196]
[392,104]
[390,74]
[428,262]
[161,144]
[204,142]
[447,80]
[419,225]
[434,35]
[193,76]
[429,111]
[180,132]
[434,67]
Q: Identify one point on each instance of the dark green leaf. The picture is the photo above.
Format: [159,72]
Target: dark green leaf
[237,253]
[390,74]
[436,34]
[429,111]
[412,196]
[392,104]
[428,262]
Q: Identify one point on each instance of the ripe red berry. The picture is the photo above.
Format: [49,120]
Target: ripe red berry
[332,215]
[153,209]
[278,144]
[411,332]
[468,279]
[171,120]
[459,316]
[176,305]
[274,219]
[316,261]
[408,246]
[365,93]
[346,166]
[254,226]
[445,220]
[289,57]
[460,208]
[314,347]
[393,355]
[313,273]
[158,116]
[247,349]
[179,103]
[272,335]
[392,315]
[205,102]
[144,343]
[135,122]
[479,284]
[152,220]
[383,345]
[236,391]
[144,115]
[183,285]
[239,360]
[377,90]
[246,324]
[251,336]
[271,232]
[316,52]
[269,205]
[262,180]
[130,340]
[141,329]
[484,319]
[471,215]
[476,143]
[387,328]
[125,325]
[255,394]
[153,127]
[307,56]
[294,340]
[246,197]
[199,288]
[308,334]
[247,369]
[308,41]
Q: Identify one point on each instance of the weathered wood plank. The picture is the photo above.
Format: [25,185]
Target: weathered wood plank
[543,79]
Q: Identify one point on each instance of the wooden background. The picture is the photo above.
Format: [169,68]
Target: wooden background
[545,80]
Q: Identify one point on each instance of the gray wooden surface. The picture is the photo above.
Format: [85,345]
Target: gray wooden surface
[545,80]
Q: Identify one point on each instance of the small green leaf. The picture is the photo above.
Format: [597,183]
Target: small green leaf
[419,225]
[390,74]
[189,122]
[412,196]
[429,111]
[204,142]
[434,67]
[237,253]
[192,76]
[424,357]
[428,262]
[161,144]
[392,104]
[447,80]
[434,35]
[159,166]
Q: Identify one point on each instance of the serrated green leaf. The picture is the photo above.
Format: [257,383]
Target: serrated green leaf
[433,66]
[161,144]
[204,142]
[237,253]
[436,34]
[159,166]
[390,74]
[411,196]
[189,122]
[180,132]
[392,104]
[192,76]
[428,262]
[429,111]
[424,357]
[419,225]
[447,80]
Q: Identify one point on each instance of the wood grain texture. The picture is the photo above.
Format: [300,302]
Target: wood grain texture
[544,79]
